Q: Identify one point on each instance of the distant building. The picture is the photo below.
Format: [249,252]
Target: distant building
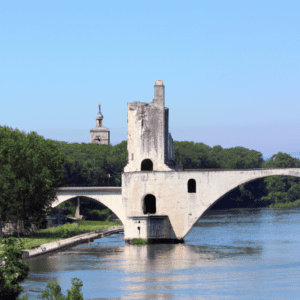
[100,134]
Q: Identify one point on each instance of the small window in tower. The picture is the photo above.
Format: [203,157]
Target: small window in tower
[192,186]
[132,156]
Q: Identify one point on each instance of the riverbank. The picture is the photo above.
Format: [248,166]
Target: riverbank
[66,235]
[286,204]
[71,242]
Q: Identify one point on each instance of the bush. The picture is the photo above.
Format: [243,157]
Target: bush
[139,242]
[286,205]
[14,271]
[53,291]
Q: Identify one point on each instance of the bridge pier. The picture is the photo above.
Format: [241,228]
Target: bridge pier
[153,229]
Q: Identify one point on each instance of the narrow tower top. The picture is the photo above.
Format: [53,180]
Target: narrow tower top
[159,92]
[159,82]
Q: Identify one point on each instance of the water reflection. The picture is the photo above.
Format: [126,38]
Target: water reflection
[223,257]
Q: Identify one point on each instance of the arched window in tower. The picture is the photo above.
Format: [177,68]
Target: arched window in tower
[147,165]
[192,186]
[149,206]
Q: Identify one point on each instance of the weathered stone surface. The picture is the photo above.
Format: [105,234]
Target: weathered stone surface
[147,132]
[173,200]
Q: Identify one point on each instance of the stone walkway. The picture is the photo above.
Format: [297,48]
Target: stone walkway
[72,241]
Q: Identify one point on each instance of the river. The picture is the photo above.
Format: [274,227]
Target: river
[232,254]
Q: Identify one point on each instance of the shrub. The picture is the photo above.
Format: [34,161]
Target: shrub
[14,271]
[53,291]
[139,242]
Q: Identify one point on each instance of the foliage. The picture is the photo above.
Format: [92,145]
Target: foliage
[194,155]
[92,164]
[286,205]
[200,156]
[240,158]
[282,189]
[138,242]
[282,160]
[31,170]
[14,271]
[53,291]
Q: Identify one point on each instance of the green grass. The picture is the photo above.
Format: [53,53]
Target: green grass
[64,231]
[139,242]
[286,204]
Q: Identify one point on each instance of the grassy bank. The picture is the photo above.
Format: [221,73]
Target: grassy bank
[286,204]
[63,232]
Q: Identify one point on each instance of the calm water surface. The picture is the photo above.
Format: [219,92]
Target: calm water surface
[247,254]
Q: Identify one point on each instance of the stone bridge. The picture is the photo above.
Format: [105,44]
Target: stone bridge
[160,201]
[181,196]
[109,196]
[160,205]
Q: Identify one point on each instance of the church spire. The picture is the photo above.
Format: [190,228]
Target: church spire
[99,117]
[100,134]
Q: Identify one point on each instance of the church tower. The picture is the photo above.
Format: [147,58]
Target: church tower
[100,134]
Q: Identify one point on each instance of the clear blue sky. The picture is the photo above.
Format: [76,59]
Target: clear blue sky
[231,69]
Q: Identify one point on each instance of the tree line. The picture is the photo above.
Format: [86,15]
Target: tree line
[102,165]
[32,168]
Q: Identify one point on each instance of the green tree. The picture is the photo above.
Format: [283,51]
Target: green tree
[240,158]
[94,165]
[14,269]
[194,155]
[31,170]
[282,189]
[53,291]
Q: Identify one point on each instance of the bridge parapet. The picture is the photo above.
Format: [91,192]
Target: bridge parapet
[93,190]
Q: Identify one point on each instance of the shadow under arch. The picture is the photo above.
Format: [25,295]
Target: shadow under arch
[234,187]
[90,198]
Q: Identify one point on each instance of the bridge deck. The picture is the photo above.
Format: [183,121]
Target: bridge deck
[254,169]
[106,189]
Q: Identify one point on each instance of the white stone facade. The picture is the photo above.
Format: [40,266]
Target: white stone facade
[174,199]
[147,129]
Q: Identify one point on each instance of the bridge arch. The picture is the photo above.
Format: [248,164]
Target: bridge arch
[111,197]
[86,198]
[237,185]
[224,181]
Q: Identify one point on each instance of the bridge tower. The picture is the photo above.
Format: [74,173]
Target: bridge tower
[150,149]
[149,143]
